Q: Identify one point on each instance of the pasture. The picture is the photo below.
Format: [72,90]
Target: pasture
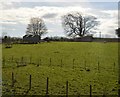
[80,63]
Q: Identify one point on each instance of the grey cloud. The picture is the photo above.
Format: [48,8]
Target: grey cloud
[9,5]
[49,15]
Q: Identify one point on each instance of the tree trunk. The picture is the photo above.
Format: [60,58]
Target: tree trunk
[39,38]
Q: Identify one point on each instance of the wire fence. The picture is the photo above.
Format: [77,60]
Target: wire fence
[23,61]
[47,94]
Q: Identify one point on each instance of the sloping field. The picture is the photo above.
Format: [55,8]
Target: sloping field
[81,64]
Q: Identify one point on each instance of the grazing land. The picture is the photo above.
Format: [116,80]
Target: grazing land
[80,63]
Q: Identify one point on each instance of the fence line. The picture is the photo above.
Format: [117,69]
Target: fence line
[30,59]
[47,86]
[12,58]
[61,63]
[98,66]
[12,79]
[85,65]
[90,90]
[50,62]
[114,67]
[73,63]
[47,83]
[66,88]
[23,62]
[30,82]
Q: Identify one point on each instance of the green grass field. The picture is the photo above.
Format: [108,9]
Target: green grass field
[81,64]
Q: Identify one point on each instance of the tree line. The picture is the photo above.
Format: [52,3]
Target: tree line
[74,24]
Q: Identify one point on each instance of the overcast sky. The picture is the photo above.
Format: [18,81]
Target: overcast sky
[16,15]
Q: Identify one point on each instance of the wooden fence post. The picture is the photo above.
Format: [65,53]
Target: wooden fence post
[30,81]
[61,62]
[98,66]
[22,59]
[104,92]
[30,59]
[114,67]
[12,79]
[17,62]
[119,91]
[50,61]
[47,83]
[90,90]
[66,88]
[38,63]
[85,64]
[73,63]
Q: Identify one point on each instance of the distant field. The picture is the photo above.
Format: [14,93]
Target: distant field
[80,63]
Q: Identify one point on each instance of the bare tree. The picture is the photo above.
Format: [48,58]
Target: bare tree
[75,24]
[36,27]
[118,32]
[4,34]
